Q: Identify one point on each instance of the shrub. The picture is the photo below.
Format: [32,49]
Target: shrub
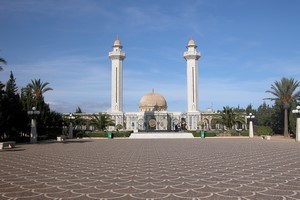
[104,134]
[207,133]
[211,133]
[244,133]
[239,133]
[52,133]
[263,130]
[79,133]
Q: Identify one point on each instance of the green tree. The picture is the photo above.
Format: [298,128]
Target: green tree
[228,117]
[27,98]
[33,96]
[102,121]
[293,118]
[277,118]
[250,109]
[118,127]
[2,110]
[284,92]
[2,61]
[78,110]
[263,115]
[37,89]
[13,117]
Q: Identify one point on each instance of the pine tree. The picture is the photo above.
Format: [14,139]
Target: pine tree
[13,115]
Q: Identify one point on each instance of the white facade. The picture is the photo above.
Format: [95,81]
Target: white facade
[153,114]
[153,119]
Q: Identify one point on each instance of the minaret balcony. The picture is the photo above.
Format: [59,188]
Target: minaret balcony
[116,55]
[191,55]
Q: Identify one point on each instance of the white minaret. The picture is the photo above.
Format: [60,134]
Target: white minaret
[191,56]
[117,56]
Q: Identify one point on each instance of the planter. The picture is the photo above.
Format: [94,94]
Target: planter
[60,138]
[266,137]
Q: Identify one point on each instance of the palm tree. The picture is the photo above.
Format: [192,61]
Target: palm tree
[102,121]
[229,118]
[3,62]
[284,92]
[38,88]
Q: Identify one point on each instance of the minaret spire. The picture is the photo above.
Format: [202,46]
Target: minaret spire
[117,56]
[192,56]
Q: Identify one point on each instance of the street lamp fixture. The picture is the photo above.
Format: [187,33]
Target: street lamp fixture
[33,134]
[297,112]
[250,117]
[71,117]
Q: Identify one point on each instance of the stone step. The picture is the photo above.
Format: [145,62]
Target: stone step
[155,135]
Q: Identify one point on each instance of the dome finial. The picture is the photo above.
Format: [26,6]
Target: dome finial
[117,42]
[191,42]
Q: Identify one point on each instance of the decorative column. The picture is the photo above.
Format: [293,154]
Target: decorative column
[33,132]
[71,117]
[250,117]
[297,112]
[117,56]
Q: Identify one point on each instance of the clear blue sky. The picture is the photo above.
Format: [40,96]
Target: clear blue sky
[245,46]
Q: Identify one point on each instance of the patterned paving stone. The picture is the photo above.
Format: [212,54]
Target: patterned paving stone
[149,194]
[66,194]
[16,194]
[236,193]
[107,195]
[259,196]
[209,189]
[296,196]
[38,197]
[274,192]
[89,190]
[210,169]
[129,190]
[174,197]
[219,197]
[193,194]
[48,190]
[11,189]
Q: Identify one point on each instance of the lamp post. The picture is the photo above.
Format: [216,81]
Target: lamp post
[297,112]
[71,117]
[33,134]
[250,117]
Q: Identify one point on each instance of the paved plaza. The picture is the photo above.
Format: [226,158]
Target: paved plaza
[222,169]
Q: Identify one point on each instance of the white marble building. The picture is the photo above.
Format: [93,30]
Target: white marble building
[153,114]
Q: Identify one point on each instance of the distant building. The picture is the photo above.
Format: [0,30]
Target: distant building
[152,113]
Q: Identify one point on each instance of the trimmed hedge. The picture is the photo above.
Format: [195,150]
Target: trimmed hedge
[214,133]
[207,133]
[102,134]
[239,133]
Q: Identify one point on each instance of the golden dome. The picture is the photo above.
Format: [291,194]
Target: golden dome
[153,102]
[191,42]
[117,42]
